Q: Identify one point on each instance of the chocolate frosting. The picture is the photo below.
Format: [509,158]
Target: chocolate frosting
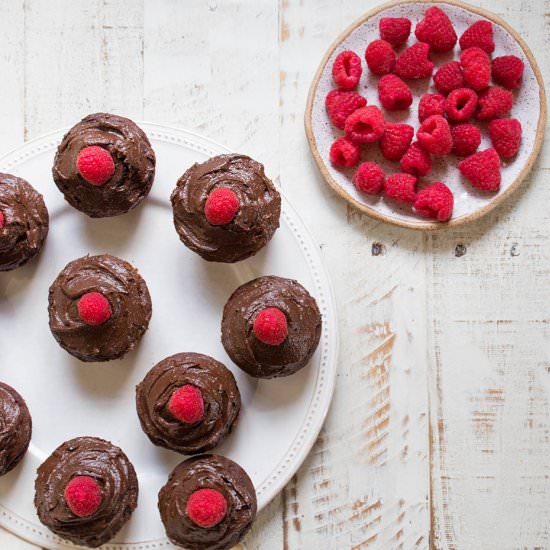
[134,165]
[15,428]
[26,222]
[110,467]
[255,222]
[128,296]
[208,472]
[222,402]
[304,327]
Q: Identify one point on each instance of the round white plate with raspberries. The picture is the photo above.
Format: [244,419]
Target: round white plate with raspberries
[279,419]
[471,79]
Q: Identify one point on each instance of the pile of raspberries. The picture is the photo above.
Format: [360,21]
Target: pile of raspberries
[474,88]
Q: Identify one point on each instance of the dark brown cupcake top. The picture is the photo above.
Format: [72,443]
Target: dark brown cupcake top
[128,297]
[208,472]
[106,464]
[24,222]
[133,157]
[304,327]
[15,428]
[255,221]
[221,397]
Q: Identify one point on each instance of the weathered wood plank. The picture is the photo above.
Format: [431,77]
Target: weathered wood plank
[489,367]
[366,482]
[12,29]
[61,61]
[80,59]
[212,67]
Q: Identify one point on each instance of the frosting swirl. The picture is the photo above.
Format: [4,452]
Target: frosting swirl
[208,472]
[133,157]
[110,467]
[15,428]
[222,402]
[26,222]
[304,327]
[255,222]
[127,294]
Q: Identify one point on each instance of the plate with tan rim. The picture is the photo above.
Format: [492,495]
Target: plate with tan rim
[279,419]
[470,204]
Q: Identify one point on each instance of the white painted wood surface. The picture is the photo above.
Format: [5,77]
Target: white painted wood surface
[438,436]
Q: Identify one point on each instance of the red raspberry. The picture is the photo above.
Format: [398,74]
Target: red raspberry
[344,153]
[507,71]
[416,161]
[340,104]
[466,139]
[436,30]
[449,77]
[83,496]
[493,103]
[476,68]
[400,187]
[396,140]
[221,206]
[430,104]
[479,35]
[365,125]
[346,70]
[506,136]
[186,404]
[482,170]
[435,201]
[395,30]
[434,135]
[2,220]
[270,326]
[369,178]
[95,165]
[393,93]
[206,508]
[94,308]
[461,104]
[414,62]
[380,57]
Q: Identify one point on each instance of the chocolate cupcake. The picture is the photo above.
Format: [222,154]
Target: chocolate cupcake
[86,490]
[226,209]
[24,222]
[271,327]
[104,166]
[99,308]
[188,402]
[15,428]
[208,503]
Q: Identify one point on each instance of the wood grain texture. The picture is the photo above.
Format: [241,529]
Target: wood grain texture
[438,435]
[365,485]
[488,328]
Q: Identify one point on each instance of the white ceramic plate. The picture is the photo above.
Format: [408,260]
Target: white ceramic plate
[280,419]
[529,108]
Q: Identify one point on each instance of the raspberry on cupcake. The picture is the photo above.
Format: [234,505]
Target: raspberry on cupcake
[188,403]
[271,327]
[226,209]
[208,503]
[105,165]
[99,308]
[24,222]
[85,491]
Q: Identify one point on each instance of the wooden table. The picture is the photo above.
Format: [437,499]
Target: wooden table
[439,431]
